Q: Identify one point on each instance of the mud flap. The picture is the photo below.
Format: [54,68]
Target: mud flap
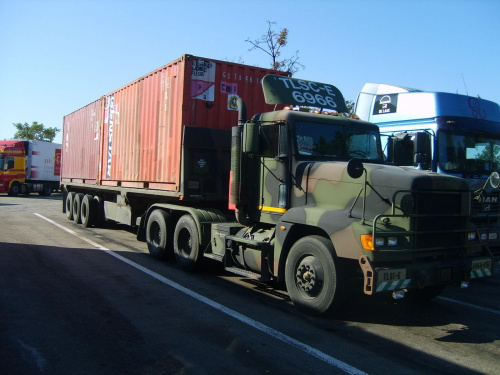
[368,273]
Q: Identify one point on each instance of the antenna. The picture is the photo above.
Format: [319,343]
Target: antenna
[463,79]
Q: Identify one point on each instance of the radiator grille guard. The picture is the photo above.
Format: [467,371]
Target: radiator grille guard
[437,225]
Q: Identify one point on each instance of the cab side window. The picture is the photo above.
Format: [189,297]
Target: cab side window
[271,143]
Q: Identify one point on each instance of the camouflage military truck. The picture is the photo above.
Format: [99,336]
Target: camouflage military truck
[313,206]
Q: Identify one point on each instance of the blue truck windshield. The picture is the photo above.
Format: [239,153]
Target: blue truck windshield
[468,153]
[334,141]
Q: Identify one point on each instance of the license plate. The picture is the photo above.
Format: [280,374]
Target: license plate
[481,268]
[389,275]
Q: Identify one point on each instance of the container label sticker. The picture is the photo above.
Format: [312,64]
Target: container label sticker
[228,88]
[108,116]
[57,162]
[203,80]
[232,103]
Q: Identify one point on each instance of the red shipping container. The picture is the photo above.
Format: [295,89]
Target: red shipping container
[81,144]
[141,124]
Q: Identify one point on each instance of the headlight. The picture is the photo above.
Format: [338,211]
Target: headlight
[392,241]
[471,236]
[370,244]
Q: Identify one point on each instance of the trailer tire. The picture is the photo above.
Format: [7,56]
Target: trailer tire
[77,208]
[100,218]
[46,190]
[159,234]
[70,197]
[312,276]
[15,189]
[187,243]
[88,211]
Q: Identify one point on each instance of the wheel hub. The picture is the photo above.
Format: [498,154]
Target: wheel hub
[309,275]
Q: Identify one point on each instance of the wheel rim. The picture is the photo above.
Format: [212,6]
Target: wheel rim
[309,276]
[154,234]
[185,242]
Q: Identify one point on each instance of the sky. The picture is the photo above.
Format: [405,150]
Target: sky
[57,56]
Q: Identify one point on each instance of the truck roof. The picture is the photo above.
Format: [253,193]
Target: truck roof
[383,103]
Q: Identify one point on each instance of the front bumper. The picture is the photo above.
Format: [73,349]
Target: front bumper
[423,274]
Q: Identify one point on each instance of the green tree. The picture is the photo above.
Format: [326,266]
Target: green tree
[271,43]
[350,107]
[35,131]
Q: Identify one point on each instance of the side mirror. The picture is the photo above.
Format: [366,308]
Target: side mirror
[421,148]
[355,168]
[494,180]
[251,138]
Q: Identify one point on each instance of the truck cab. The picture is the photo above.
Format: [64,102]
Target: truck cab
[12,167]
[445,133]
[314,198]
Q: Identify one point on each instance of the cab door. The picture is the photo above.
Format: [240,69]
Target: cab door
[274,187]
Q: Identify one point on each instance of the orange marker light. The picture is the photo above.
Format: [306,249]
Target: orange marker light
[367,242]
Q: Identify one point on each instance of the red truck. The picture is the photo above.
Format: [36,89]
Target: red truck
[29,166]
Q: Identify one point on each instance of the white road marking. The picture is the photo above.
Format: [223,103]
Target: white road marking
[236,315]
[40,361]
[493,311]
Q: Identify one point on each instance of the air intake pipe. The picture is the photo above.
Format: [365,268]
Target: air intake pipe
[235,196]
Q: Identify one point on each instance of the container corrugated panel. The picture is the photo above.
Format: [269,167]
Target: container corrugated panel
[81,144]
[143,121]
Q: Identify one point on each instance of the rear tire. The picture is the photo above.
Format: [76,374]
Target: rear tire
[159,234]
[77,208]
[70,197]
[312,276]
[46,190]
[88,211]
[100,218]
[187,243]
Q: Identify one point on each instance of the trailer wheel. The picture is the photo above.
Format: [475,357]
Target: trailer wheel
[159,234]
[15,189]
[77,208]
[88,211]
[311,276]
[186,243]
[100,218]
[69,205]
[46,190]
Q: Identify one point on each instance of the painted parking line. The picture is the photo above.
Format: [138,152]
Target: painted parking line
[234,314]
[493,311]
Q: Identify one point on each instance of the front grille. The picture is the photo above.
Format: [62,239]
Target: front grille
[486,204]
[438,220]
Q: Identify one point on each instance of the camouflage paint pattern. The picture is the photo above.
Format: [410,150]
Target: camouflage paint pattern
[321,197]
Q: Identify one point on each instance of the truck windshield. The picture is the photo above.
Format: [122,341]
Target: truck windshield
[468,153]
[338,141]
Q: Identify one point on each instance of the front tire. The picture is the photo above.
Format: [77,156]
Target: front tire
[312,277]
[15,189]
[187,243]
